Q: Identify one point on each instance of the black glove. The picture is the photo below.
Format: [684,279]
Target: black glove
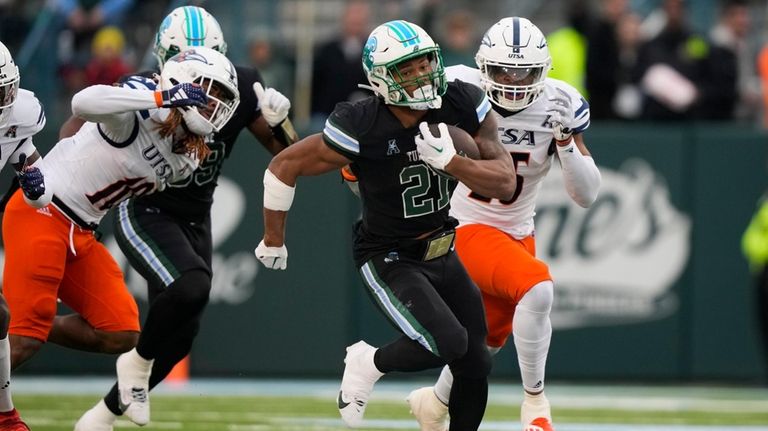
[31,179]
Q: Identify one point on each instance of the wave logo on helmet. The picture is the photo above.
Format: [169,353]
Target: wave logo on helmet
[368,50]
[190,55]
[165,25]
[404,33]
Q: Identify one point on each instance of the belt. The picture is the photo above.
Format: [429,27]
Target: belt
[436,245]
[72,215]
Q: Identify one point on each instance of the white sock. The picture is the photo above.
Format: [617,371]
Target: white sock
[6,403]
[445,381]
[532,332]
[145,365]
[443,385]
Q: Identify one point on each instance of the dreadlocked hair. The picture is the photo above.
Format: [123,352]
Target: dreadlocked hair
[192,145]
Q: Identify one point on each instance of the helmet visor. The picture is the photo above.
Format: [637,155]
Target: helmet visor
[512,86]
[509,75]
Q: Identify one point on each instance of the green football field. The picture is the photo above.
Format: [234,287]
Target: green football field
[575,408]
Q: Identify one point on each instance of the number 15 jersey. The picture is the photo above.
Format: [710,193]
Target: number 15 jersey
[527,135]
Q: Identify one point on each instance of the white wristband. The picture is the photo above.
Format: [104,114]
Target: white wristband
[278,196]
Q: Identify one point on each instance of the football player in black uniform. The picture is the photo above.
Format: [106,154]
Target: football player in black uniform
[167,238]
[404,242]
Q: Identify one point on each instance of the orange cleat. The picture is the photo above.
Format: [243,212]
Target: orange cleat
[539,424]
[11,421]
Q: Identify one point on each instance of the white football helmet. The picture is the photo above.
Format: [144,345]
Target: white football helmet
[215,73]
[9,83]
[393,43]
[187,27]
[513,60]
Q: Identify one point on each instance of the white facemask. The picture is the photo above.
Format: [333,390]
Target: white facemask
[159,115]
[196,123]
[425,92]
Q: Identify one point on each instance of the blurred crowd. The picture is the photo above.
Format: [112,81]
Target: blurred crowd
[631,65]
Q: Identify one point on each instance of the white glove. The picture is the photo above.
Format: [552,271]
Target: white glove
[560,111]
[436,152]
[272,257]
[273,104]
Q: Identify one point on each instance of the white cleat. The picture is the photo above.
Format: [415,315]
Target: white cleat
[360,374]
[133,386]
[429,411]
[98,418]
[535,413]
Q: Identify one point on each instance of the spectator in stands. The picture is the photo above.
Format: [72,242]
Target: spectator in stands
[107,64]
[81,19]
[671,67]
[762,70]
[568,47]
[459,41]
[275,68]
[16,20]
[731,81]
[627,101]
[337,69]
[604,62]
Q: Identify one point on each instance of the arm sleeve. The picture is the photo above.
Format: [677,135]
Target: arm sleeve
[100,103]
[582,178]
[111,106]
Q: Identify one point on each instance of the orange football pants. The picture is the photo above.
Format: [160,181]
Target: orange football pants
[504,269]
[41,266]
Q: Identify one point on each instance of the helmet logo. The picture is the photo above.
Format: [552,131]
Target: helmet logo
[189,55]
[370,47]
[486,41]
[165,25]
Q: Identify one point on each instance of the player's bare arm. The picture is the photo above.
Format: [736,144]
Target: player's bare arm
[310,156]
[494,175]
[70,127]
[30,160]
[261,131]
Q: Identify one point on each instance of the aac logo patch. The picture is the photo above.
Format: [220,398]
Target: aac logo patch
[11,132]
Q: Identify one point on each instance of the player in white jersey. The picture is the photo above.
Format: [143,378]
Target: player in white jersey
[539,119]
[21,117]
[139,137]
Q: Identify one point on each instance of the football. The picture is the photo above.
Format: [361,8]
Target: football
[464,143]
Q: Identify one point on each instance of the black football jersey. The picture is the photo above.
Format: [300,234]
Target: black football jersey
[192,198]
[402,197]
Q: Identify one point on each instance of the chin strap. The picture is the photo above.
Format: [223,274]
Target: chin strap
[366,87]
